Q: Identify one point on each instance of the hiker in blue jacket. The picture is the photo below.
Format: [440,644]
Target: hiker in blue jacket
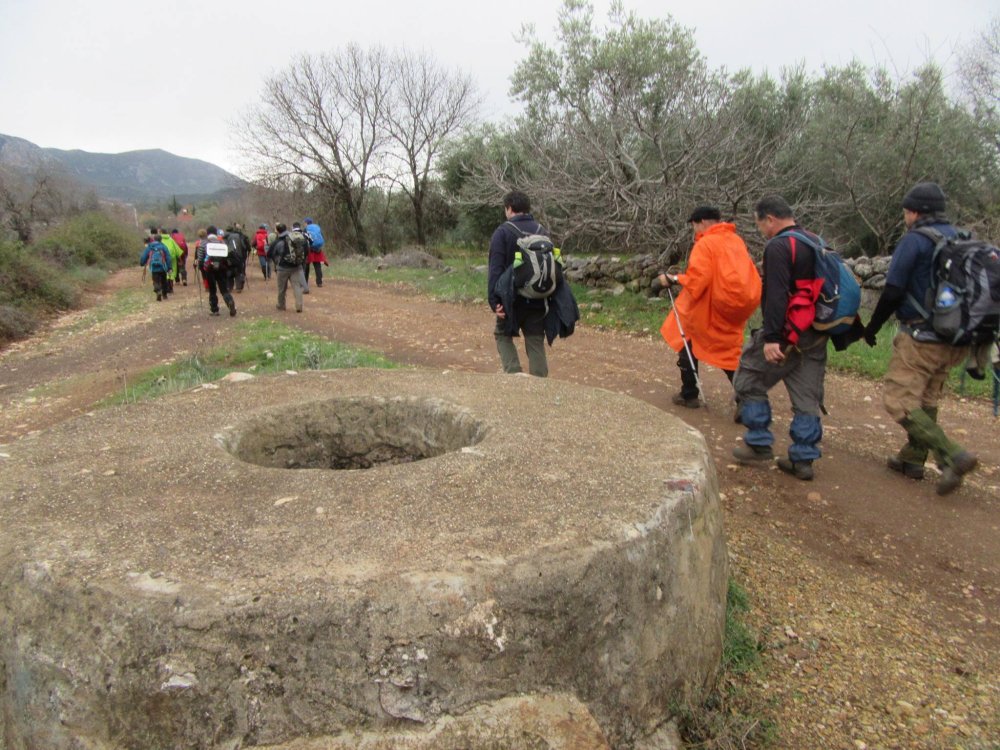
[160,266]
[920,361]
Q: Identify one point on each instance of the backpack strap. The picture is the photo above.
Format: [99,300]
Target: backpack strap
[939,241]
[538,229]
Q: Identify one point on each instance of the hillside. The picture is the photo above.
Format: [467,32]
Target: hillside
[132,176]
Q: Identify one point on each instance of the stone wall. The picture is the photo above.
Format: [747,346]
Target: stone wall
[635,273]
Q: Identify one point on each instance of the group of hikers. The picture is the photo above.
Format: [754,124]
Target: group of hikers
[721,288]
[802,289]
[221,259]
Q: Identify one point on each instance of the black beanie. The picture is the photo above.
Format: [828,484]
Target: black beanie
[925,198]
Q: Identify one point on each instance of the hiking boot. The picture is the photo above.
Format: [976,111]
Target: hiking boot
[690,403]
[749,454]
[951,476]
[231,304]
[908,470]
[214,312]
[799,469]
[279,307]
[159,297]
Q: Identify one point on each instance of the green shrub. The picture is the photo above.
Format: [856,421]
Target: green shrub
[15,324]
[30,283]
[91,239]
[49,275]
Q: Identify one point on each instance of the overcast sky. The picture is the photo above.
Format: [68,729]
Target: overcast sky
[119,75]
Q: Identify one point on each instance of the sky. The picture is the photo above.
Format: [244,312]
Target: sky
[118,75]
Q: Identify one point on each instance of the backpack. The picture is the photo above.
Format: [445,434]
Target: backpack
[316,235]
[298,248]
[163,260]
[537,265]
[830,302]
[217,256]
[237,258]
[962,304]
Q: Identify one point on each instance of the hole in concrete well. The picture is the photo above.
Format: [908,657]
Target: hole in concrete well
[354,433]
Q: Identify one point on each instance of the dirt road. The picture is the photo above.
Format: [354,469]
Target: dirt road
[878,600]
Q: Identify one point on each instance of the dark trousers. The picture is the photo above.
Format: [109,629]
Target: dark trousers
[531,323]
[159,283]
[689,381]
[319,271]
[218,285]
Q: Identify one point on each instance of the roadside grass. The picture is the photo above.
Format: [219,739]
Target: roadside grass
[264,347]
[462,283]
[732,717]
[121,305]
[628,312]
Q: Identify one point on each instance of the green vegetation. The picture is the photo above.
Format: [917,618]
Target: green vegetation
[49,275]
[263,347]
[730,717]
[741,649]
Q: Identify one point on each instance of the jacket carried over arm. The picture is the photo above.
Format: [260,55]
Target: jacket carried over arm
[721,289]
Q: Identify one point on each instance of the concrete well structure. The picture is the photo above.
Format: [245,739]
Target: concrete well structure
[525,563]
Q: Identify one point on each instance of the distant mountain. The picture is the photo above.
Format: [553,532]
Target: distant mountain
[134,176]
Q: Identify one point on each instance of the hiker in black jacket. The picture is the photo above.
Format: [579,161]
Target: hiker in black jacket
[529,314]
[780,351]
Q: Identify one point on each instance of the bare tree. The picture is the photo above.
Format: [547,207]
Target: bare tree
[428,105]
[27,200]
[979,72]
[323,120]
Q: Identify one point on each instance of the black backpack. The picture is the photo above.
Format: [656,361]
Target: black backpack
[537,265]
[962,304]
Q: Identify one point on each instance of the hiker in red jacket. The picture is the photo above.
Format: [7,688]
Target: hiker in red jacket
[260,245]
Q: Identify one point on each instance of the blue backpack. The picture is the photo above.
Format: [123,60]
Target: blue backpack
[837,291]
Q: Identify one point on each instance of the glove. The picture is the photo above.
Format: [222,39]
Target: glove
[870,336]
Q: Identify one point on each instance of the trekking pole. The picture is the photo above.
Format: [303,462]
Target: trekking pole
[687,349]
[996,390]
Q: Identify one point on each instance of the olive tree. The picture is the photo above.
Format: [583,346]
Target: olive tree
[867,139]
[979,73]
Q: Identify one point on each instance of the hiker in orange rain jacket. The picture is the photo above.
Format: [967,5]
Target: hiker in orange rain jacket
[721,289]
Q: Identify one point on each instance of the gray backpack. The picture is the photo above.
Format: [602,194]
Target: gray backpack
[537,265]
[298,248]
